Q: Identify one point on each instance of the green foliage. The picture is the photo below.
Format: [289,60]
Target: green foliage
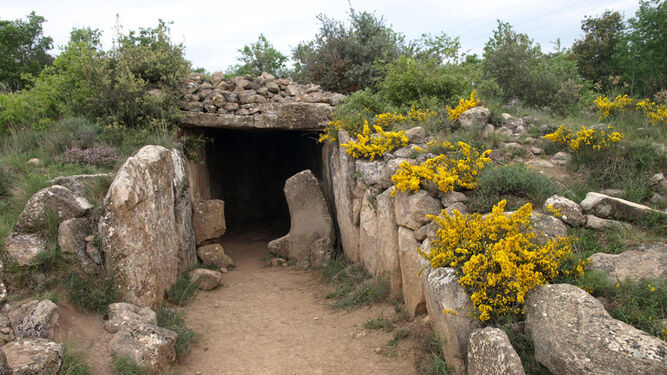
[259,57]
[380,323]
[430,361]
[73,362]
[594,54]
[173,320]
[641,304]
[92,292]
[513,182]
[353,285]
[23,51]
[522,343]
[182,291]
[345,58]
[126,366]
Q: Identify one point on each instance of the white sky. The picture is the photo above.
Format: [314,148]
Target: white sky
[213,30]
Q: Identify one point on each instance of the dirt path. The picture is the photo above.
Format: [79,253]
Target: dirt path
[276,321]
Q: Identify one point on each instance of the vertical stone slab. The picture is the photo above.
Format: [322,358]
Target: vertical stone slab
[411,266]
[388,259]
[368,234]
[342,170]
[187,251]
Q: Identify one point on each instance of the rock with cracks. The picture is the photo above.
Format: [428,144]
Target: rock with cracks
[491,353]
[570,211]
[449,306]
[55,200]
[140,229]
[152,348]
[474,118]
[205,279]
[123,315]
[33,356]
[608,207]
[574,335]
[209,220]
[214,255]
[23,248]
[411,264]
[35,319]
[311,234]
[411,208]
[645,261]
[4,366]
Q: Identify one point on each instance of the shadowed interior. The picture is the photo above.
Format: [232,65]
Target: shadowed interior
[248,168]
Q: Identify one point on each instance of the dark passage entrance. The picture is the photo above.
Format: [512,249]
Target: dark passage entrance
[248,168]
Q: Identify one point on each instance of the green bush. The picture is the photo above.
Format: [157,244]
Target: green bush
[513,182]
[173,320]
[182,291]
[126,366]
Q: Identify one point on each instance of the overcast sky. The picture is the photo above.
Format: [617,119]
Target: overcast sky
[213,30]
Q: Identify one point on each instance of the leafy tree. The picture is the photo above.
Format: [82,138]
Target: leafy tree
[348,58]
[260,57]
[645,62]
[23,51]
[594,54]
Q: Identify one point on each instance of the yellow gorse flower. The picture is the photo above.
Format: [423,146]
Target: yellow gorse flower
[458,167]
[464,105]
[370,144]
[496,257]
[585,138]
[656,113]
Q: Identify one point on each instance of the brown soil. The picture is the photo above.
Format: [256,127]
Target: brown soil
[265,320]
[276,321]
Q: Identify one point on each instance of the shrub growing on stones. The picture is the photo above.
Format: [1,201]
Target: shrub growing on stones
[496,257]
[464,105]
[370,145]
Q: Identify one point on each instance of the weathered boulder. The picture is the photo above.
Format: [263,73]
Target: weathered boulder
[151,347]
[574,334]
[570,211]
[368,233]
[416,135]
[561,158]
[475,118]
[33,356]
[608,207]
[34,319]
[6,332]
[411,208]
[644,261]
[205,279]
[427,230]
[449,307]
[411,265]
[57,200]
[23,248]
[214,254]
[144,262]
[183,214]
[458,206]
[123,314]
[342,178]
[209,220]
[4,366]
[77,183]
[72,235]
[594,222]
[491,353]
[547,227]
[449,198]
[311,235]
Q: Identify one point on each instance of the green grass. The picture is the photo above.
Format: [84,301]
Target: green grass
[381,322]
[92,292]
[126,366]
[73,362]
[429,359]
[182,291]
[173,320]
[354,286]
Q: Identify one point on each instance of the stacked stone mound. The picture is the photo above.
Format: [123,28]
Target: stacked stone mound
[245,96]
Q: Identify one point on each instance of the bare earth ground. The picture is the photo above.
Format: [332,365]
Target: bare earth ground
[264,320]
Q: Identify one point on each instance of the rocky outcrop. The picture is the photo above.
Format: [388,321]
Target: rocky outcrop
[608,207]
[311,235]
[23,248]
[574,334]
[214,255]
[34,319]
[474,118]
[33,356]
[547,227]
[205,279]
[450,308]
[78,183]
[570,211]
[122,315]
[55,200]
[209,220]
[644,261]
[491,353]
[144,194]
[152,348]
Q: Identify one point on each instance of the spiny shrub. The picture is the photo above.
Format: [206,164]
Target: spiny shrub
[496,257]
[370,145]
[457,168]
[453,114]
[585,139]
[655,113]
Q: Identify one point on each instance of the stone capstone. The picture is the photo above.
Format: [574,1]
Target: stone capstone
[491,353]
[449,306]
[214,254]
[23,248]
[142,196]
[34,319]
[205,279]
[608,207]
[209,220]
[56,200]
[570,211]
[33,356]
[152,348]
[311,235]
[123,314]
[574,335]
[644,261]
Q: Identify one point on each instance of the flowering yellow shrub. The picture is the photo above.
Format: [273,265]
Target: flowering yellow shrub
[464,105]
[656,113]
[496,257]
[420,115]
[585,138]
[370,145]
[447,172]
[386,120]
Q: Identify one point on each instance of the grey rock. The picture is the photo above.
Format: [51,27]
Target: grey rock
[152,348]
[643,261]
[214,254]
[561,158]
[451,197]
[416,134]
[594,222]
[33,356]
[6,331]
[71,236]
[491,353]
[205,279]
[23,248]
[34,319]
[476,118]
[570,211]
[56,199]
[411,265]
[208,220]
[123,314]
[78,183]
[411,208]
[608,207]
[574,335]
[216,78]
[458,206]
